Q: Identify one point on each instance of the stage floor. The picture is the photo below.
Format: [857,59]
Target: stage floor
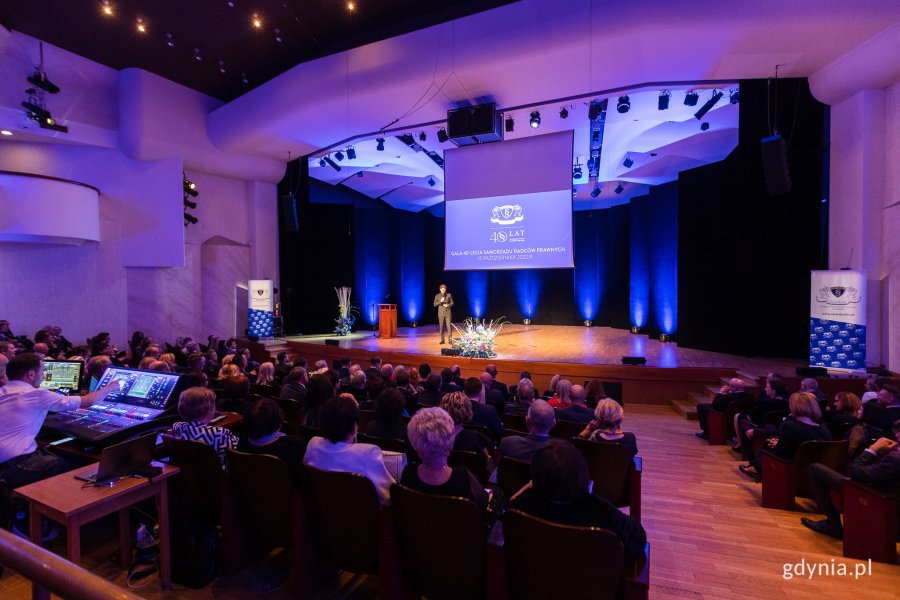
[555,343]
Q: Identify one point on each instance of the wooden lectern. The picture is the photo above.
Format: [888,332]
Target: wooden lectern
[387,320]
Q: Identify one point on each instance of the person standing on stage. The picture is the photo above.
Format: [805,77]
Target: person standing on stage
[444,302]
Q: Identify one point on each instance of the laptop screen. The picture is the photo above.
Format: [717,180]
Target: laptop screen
[62,376]
[150,389]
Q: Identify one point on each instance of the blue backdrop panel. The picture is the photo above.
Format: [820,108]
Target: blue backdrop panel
[372,247]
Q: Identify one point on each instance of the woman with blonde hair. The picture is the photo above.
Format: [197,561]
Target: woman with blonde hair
[169,359]
[561,399]
[227,371]
[607,426]
[459,407]
[266,374]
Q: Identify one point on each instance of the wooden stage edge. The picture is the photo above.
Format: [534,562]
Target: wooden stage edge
[576,353]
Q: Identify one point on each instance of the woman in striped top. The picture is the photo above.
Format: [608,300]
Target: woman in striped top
[197,406]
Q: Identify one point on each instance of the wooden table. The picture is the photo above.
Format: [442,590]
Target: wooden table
[63,499]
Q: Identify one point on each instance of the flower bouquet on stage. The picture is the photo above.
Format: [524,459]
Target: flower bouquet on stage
[346,318]
[476,338]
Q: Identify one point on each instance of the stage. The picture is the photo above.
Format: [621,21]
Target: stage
[671,374]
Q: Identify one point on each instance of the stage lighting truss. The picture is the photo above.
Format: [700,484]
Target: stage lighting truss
[190,190]
[597,117]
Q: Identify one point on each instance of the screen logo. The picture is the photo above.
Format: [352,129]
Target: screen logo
[508,214]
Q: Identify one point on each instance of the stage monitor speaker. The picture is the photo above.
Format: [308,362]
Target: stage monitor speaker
[634,360]
[253,338]
[450,351]
[331,342]
[775,165]
[812,372]
[474,125]
[288,208]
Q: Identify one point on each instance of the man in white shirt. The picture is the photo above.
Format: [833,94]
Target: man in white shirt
[23,408]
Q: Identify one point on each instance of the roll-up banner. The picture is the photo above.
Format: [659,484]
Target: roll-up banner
[261,313]
[837,323]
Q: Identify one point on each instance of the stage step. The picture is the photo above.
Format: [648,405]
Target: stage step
[685,408]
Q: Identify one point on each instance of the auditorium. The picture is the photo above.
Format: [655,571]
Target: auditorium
[384,299]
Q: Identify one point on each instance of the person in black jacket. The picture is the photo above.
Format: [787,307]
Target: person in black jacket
[774,398]
[389,405]
[262,435]
[482,414]
[431,391]
[728,393]
[558,492]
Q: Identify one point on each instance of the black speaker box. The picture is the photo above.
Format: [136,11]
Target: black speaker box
[634,360]
[288,209]
[450,351]
[331,342]
[474,125]
[812,372]
[775,165]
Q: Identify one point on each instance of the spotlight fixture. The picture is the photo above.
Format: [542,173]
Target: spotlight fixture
[576,171]
[5,132]
[442,135]
[339,155]
[256,21]
[413,324]
[627,163]
[623,105]
[526,321]
[663,103]
[535,120]
[510,124]
[619,189]
[635,329]
[593,110]
[190,188]
[717,95]
[190,219]
[190,203]
[197,56]
[431,181]
[564,113]
[140,25]
[169,41]
[278,37]
[244,78]
[333,164]
[588,322]
[230,3]
[351,153]
[380,146]
[422,136]
[39,79]
[106,8]
[690,98]
[734,96]
[704,126]
[595,192]
[322,162]
[359,173]
[351,6]
[665,338]
[222,67]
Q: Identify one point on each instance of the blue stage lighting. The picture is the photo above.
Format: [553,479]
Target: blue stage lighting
[477,292]
[716,96]
[351,153]
[627,163]
[380,146]
[624,104]
[595,192]
[690,98]
[528,291]
[663,103]
[535,120]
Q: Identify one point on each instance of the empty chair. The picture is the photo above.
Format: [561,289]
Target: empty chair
[512,475]
[197,491]
[870,522]
[389,445]
[616,475]
[261,486]
[566,430]
[514,421]
[293,412]
[783,480]
[441,540]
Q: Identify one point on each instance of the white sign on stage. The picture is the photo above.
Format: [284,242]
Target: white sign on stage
[837,323]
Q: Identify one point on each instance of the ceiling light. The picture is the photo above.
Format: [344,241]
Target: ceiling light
[197,56]
[734,96]
[624,104]
[380,146]
[595,192]
[190,218]
[627,163]
[256,20]
[351,153]
[690,98]
[230,3]
[244,78]
[222,67]
[339,155]
[5,132]
[189,203]
[619,189]
[322,162]
[564,113]
[442,135]
[535,120]
[351,6]
[422,136]
[510,124]
[278,37]
[169,41]
[431,181]
[593,110]
[333,164]
[189,187]
[704,126]
[663,103]
[107,8]
[141,26]
[576,171]
[716,96]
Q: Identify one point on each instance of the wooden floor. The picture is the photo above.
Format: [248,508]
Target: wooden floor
[709,537]
[557,343]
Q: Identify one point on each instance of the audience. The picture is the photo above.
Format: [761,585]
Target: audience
[879,415]
[554,381]
[293,386]
[374,369]
[774,397]
[282,365]
[497,385]
[607,426]
[197,406]
[263,435]
[728,393]
[431,434]
[337,450]
[460,410]
[447,384]
[389,408]
[540,420]
[577,412]
[482,414]
[492,397]
[318,392]
[524,399]
[233,394]
[561,399]
[559,492]
[431,391]
[843,414]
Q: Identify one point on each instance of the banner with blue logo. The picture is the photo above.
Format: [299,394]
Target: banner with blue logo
[261,312]
[837,324]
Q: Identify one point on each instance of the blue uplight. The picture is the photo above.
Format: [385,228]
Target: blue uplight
[528,291]
[477,291]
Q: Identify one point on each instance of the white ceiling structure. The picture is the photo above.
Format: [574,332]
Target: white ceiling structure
[531,52]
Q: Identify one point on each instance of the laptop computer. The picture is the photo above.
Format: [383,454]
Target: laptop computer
[62,376]
[120,459]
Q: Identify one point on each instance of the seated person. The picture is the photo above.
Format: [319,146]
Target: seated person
[482,414]
[431,433]
[524,399]
[491,369]
[447,384]
[431,391]
[558,492]
[878,466]
[197,406]
[460,410]
[266,378]
[728,393]
[540,420]
[492,397]
[263,435]
[554,382]
[23,408]
[879,414]
[374,386]
[389,405]
[594,393]
[93,371]
[811,386]
[872,388]
[561,399]
[293,386]
[607,426]
[774,397]
[318,391]
[577,412]
[338,450]
[403,382]
[843,414]
[233,394]
[283,365]
[803,425]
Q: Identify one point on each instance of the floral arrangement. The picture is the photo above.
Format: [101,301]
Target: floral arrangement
[476,339]
[346,318]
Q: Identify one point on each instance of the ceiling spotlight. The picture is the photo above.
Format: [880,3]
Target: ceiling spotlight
[380,146]
[593,110]
[535,120]
[333,164]
[624,104]
[351,153]
[322,162]
[197,56]
[690,98]
[278,37]
[230,3]
[442,135]
[431,181]
[564,113]
[359,174]
[663,103]
[576,171]
[244,78]
[169,41]
[717,95]
[189,187]
[190,219]
[222,67]
[510,124]
[619,189]
[734,96]
[106,8]
[339,155]
[141,26]
[351,6]
[422,136]
[704,126]
[627,163]
[595,192]
[190,203]
[256,20]
[5,132]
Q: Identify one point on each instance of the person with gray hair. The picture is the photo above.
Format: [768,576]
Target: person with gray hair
[811,386]
[431,433]
[524,399]
[728,393]
[577,412]
[540,420]
[491,396]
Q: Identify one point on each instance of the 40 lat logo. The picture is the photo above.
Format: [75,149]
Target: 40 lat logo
[499,236]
